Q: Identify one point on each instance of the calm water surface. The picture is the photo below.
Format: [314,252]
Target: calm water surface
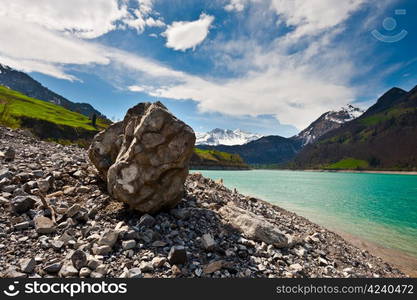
[380,208]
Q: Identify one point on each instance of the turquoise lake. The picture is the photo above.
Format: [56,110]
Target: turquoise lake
[380,208]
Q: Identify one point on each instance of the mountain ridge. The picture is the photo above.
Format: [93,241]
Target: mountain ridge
[225,137]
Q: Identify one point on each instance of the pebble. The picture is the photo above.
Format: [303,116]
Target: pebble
[177,255]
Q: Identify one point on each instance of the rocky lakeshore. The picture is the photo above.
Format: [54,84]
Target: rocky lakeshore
[58,220]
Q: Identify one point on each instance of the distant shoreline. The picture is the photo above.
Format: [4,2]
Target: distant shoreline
[312,171]
[363,171]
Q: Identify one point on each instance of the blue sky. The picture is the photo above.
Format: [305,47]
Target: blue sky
[265,66]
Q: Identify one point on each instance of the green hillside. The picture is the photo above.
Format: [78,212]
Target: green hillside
[383,138]
[46,120]
[216,160]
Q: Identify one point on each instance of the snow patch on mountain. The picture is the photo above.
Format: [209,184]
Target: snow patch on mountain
[327,122]
[226,137]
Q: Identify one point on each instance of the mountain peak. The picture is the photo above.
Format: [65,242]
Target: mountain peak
[328,121]
[387,100]
[227,137]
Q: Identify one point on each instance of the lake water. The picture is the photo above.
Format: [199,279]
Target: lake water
[380,208]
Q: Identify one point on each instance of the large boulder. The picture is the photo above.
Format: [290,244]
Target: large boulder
[253,226]
[144,159]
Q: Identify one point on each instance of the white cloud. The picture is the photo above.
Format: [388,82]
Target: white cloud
[235,5]
[314,16]
[84,19]
[185,35]
[34,48]
[143,17]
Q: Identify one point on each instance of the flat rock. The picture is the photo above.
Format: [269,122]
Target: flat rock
[253,226]
[44,225]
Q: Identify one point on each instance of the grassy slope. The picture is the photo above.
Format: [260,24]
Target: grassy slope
[14,105]
[216,158]
[349,164]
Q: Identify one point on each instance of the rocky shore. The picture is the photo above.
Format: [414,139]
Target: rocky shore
[58,220]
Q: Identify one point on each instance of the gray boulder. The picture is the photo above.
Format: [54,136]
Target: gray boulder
[253,226]
[144,158]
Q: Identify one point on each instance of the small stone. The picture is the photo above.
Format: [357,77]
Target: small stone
[83,189]
[181,214]
[13,273]
[43,185]
[79,259]
[208,242]
[10,154]
[109,238]
[175,270]
[147,221]
[79,173]
[102,250]
[146,267]
[44,225]
[22,204]
[53,268]
[68,270]
[93,263]
[322,261]
[102,269]
[159,244]
[57,244]
[69,191]
[213,267]
[135,273]
[85,272]
[126,245]
[296,267]
[96,275]
[27,265]
[158,262]
[73,210]
[177,255]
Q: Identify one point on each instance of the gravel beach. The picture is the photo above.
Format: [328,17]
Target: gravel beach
[57,220]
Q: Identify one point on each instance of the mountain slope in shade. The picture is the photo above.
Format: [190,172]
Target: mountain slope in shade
[225,137]
[25,84]
[384,138]
[327,122]
[266,150]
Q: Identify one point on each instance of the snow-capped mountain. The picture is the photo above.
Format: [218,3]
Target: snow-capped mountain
[328,121]
[226,137]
